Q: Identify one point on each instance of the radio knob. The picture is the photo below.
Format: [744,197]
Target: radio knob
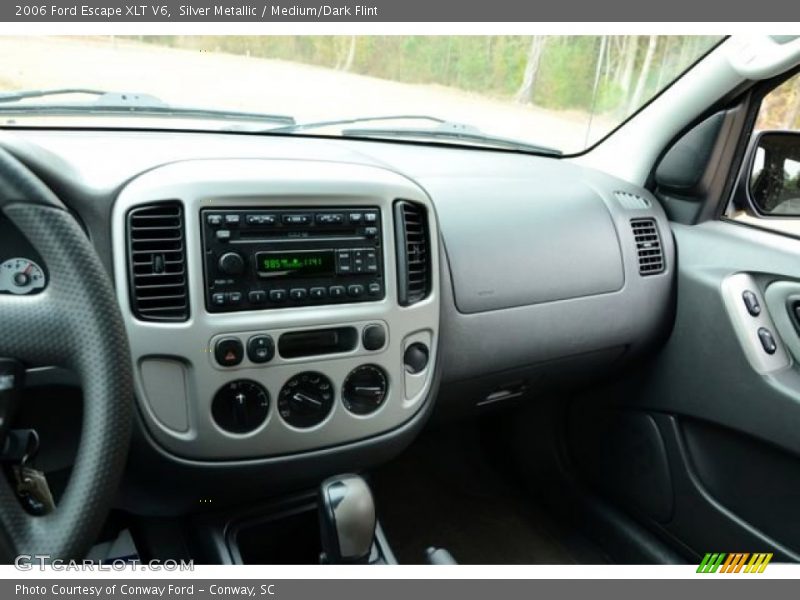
[231,263]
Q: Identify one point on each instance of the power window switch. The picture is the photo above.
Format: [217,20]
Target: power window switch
[751,303]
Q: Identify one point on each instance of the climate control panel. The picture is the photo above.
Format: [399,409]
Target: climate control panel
[306,400]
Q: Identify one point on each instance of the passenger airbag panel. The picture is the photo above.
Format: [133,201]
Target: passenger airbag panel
[554,242]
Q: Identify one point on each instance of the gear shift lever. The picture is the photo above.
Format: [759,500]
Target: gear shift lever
[347,520]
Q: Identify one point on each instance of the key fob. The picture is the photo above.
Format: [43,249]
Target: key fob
[33,490]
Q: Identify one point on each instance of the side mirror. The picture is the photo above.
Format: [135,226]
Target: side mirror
[774,173]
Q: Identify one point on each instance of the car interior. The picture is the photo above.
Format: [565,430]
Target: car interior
[250,348]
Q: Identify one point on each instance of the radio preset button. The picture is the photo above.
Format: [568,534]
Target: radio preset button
[218,299]
[296,219]
[372,261]
[336,291]
[277,295]
[344,262]
[318,293]
[358,261]
[330,218]
[257,297]
[260,349]
[355,290]
[260,219]
[228,352]
[298,293]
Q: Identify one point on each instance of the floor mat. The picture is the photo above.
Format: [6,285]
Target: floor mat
[443,491]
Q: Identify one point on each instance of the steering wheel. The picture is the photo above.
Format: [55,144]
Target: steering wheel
[75,323]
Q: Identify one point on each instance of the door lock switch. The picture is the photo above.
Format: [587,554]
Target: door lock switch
[767,340]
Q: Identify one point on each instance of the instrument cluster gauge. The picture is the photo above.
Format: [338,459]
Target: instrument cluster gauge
[306,399]
[21,276]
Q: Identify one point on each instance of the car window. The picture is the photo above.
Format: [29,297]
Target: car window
[771,196]
[548,94]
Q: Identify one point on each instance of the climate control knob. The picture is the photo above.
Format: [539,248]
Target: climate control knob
[364,389]
[231,263]
[240,406]
[306,399]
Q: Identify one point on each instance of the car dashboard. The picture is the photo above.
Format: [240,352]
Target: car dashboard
[300,306]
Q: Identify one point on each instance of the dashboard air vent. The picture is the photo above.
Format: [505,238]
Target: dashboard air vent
[157,262]
[630,201]
[648,246]
[413,252]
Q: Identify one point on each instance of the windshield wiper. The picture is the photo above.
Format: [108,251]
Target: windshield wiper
[334,122]
[451,132]
[25,94]
[123,103]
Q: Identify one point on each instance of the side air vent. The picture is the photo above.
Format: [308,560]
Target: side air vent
[413,252]
[157,262]
[648,246]
[630,201]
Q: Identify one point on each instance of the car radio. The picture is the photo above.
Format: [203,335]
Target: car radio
[273,258]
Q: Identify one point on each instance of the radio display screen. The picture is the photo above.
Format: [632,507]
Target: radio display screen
[303,263]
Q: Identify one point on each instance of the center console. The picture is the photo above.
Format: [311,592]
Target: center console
[276,307]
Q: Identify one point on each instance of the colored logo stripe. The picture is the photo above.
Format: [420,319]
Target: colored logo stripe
[711,563]
[758,563]
[734,562]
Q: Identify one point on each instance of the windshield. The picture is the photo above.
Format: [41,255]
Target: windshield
[549,94]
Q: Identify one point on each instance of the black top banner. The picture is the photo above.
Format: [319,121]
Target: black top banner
[396,11]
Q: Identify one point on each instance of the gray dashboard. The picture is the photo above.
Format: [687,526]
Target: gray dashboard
[538,264]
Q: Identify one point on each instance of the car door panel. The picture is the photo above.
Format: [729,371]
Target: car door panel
[728,414]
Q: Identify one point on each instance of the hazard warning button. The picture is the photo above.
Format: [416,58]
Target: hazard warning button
[229,352]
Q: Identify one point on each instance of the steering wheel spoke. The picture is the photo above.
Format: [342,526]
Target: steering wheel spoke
[26,335]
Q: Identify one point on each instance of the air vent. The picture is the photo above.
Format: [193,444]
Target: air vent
[157,262]
[648,246]
[630,201]
[413,255]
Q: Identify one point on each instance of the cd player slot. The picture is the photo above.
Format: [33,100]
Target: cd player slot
[299,344]
[248,237]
